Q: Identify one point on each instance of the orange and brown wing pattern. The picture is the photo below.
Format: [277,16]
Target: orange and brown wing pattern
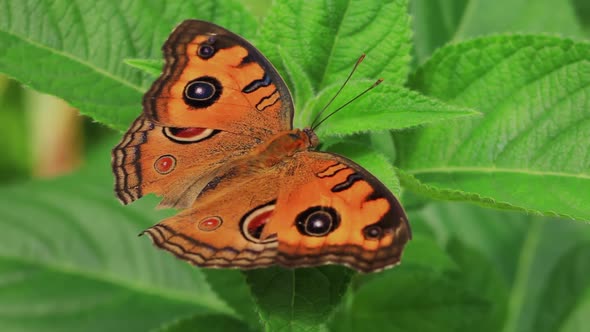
[313,209]
[213,78]
[166,161]
[337,212]
[223,228]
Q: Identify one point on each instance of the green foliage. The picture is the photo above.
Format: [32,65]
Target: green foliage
[534,92]
[437,22]
[83,44]
[297,300]
[206,323]
[531,254]
[420,295]
[324,39]
[67,262]
[15,160]
[500,121]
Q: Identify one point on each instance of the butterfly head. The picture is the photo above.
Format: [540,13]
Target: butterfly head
[312,138]
[297,140]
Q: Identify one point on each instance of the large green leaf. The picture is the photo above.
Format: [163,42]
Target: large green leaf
[386,107]
[498,235]
[324,39]
[401,300]
[46,297]
[438,22]
[427,292]
[231,287]
[569,288]
[70,260]
[539,16]
[435,23]
[299,299]
[481,277]
[541,260]
[75,50]
[206,323]
[525,152]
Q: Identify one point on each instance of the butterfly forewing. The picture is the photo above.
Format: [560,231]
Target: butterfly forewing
[215,79]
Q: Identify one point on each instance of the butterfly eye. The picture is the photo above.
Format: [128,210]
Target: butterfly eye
[202,92]
[253,222]
[210,224]
[188,135]
[373,232]
[317,221]
[165,164]
[206,51]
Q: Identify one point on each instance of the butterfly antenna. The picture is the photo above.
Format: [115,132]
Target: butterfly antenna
[348,102]
[361,58]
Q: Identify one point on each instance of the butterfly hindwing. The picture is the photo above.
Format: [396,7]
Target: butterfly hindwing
[338,212]
[316,208]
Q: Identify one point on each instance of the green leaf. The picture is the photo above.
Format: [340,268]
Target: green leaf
[385,107]
[498,235]
[533,92]
[524,16]
[568,282]
[304,89]
[78,54]
[42,297]
[534,255]
[70,260]
[300,299]
[437,22]
[399,300]
[326,39]
[481,277]
[206,323]
[582,9]
[15,160]
[231,287]
[426,284]
[384,144]
[148,66]
[423,252]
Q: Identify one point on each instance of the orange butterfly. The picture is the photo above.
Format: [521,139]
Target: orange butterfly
[216,140]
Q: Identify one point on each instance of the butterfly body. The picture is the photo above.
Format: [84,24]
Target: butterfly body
[216,140]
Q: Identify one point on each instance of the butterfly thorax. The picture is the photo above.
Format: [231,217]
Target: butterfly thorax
[285,144]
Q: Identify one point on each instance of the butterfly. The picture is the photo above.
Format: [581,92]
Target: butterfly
[215,140]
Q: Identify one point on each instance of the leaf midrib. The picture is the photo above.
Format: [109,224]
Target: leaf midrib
[144,289]
[333,45]
[469,169]
[98,70]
